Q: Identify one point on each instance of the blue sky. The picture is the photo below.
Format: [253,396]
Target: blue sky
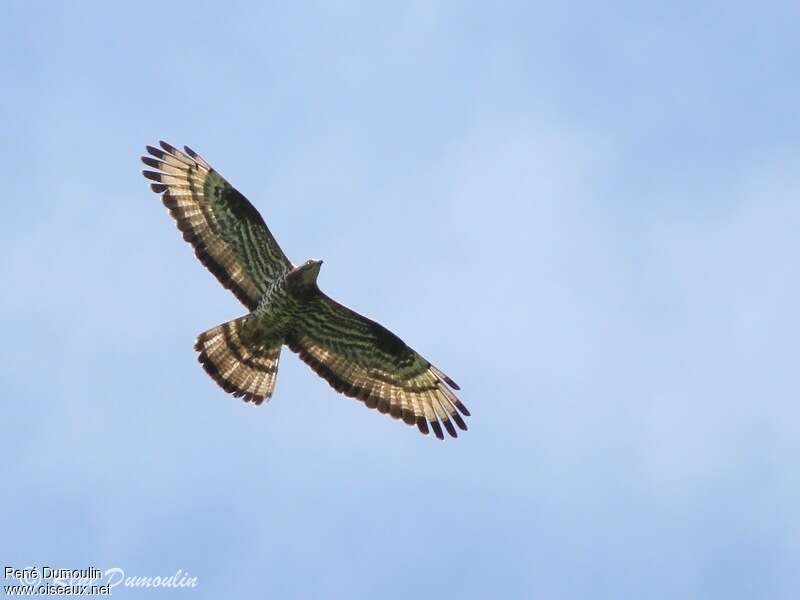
[586,214]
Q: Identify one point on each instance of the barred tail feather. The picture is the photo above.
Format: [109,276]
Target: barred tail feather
[241,367]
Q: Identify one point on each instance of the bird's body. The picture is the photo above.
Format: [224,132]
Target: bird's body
[282,304]
[356,355]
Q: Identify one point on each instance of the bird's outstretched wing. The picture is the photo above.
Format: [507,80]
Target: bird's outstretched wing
[228,234]
[363,359]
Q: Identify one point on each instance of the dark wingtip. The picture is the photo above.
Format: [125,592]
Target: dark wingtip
[151,162]
[437,429]
[451,383]
[450,429]
[422,425]
[190,152]
[158,188]
[443,377]
[167,147]
[396,411]
[462,408]
[152,175]
[459,421]
[155,151]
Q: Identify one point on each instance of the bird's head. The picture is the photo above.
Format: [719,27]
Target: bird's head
[305,275]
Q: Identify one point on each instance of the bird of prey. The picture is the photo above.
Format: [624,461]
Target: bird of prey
[357,356]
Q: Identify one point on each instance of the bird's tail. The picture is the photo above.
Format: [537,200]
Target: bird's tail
[241,365]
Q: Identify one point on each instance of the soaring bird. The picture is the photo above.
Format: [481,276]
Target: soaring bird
[357,356]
